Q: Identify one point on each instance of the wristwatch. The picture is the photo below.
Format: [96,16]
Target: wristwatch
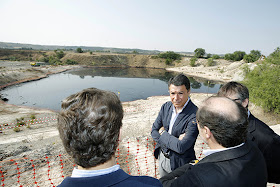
[160,132]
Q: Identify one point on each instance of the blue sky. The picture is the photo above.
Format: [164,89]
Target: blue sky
[218,26]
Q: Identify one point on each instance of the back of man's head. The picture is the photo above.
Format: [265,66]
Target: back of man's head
[234,88]
[226,119]
[180,80]
[89,124]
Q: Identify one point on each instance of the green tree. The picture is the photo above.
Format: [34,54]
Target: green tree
[238,55]
[216,57]
[256,53]
[193,60]
[253,56]
[208,55]
[274,58]
[53,60]
[44,59]
[71,62]
[170,55]
[59,54]
[135,52]
[229,56]
[199,52]
[79,50]
[263,82]
[249,58]
[210,62]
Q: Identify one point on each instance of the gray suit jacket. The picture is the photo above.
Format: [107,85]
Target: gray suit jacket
[180,151]
[243,166]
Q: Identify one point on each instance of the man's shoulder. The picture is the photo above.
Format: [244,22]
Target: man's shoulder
[191,104]
[117,178]
[230,163]
[259,126]
[191,108]
[142,181]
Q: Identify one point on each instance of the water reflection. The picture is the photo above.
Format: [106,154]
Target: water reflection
[160,74]
[131,83]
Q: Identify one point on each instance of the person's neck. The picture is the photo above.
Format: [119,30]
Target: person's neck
[178,109]
[105,165]
[213,144]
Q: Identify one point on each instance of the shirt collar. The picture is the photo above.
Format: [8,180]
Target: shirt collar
[78,173]
[208,152]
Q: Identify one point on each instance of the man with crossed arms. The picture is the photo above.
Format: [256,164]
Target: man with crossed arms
[175,130]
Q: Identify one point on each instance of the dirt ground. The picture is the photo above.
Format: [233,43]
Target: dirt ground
[41,138]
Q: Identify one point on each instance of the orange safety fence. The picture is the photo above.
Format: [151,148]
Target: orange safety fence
[134,155]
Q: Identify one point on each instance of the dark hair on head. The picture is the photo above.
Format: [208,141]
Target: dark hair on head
[228,128]
[89,124]
[180,80]
[232,88]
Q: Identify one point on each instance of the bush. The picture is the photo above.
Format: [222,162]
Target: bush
[170,55]
[20,121]
[71,62]
[193,60]
[168,61]
[249,58]
[210,62]
[53,60]
[199,52]
[236,56]
[253,56]
[79,50]
[263,83]
[12,58]
[274,58]
[44,59]
[216,57]
[229,56]
[59,54]
[16,129]
[208,55]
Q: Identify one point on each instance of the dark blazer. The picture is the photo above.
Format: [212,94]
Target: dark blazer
[269,144]
[117,178]
[241,167]
[180,151]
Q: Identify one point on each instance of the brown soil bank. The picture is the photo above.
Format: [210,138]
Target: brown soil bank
[94,59]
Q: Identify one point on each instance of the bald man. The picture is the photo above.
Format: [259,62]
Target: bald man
[230,161]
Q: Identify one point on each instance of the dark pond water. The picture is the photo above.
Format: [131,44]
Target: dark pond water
[129,83]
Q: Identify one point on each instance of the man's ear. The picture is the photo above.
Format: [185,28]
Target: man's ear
[207,132]
[245,103]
